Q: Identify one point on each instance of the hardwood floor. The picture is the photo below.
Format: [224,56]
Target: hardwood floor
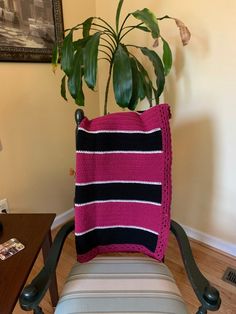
[211,262]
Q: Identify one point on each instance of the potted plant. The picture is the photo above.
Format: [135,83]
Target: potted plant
[99,40]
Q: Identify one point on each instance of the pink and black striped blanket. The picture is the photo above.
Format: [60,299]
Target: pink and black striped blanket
[123,183]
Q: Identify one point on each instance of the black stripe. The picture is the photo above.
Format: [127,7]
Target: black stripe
[119,141]
[94,238]
[118,191]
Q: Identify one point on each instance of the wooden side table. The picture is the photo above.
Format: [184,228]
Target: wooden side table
[34,231]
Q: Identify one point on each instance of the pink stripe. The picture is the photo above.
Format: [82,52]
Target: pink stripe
[131,167]
[106,214]
[146,121]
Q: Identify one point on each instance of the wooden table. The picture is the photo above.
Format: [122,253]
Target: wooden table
[34,231]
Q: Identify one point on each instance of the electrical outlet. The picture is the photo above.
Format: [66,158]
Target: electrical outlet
[4,206]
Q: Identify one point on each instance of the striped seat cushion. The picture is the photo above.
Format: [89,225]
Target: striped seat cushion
[120,284]
[123,184]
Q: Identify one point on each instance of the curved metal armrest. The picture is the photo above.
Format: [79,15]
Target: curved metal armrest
[35,291]
[208,296]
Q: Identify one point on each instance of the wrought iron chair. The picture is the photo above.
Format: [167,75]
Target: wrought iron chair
[121,283]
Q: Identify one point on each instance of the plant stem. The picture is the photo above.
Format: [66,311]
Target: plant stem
[122,26]
[164,17]
[107,47]
[102,26]
[111,37]
[108,25]
[107,54]
[129,30]
[107,88]
[135,46]
[108,60]
[108,42]
[133,26]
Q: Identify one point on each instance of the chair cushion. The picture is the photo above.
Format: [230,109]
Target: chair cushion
[120,284]
[123,184]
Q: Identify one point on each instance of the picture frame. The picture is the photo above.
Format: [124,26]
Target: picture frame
[29,29]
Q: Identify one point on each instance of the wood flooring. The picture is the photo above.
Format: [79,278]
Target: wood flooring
[212,263]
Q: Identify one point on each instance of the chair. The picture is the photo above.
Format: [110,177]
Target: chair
[121,282]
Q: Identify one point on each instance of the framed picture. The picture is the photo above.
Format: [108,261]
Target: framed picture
[29,29]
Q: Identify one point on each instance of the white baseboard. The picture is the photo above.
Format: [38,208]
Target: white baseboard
[214,242]
[62,218]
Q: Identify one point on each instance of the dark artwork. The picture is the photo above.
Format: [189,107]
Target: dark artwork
[29,29]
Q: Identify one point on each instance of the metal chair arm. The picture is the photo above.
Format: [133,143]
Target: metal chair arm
[33,293]
[208,296]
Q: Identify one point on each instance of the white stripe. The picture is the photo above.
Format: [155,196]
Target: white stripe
[154,285]
[113,227]
[117,181]
[119,152]
[117,201]
[120,131]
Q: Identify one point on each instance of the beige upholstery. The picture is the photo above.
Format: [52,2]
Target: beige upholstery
[120,284]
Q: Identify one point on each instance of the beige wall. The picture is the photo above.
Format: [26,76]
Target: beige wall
[37,132]
[37,126]
[201,91]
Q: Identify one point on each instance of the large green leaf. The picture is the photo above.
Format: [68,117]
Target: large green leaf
[67,53]
[90,57]
[158,68]
[80,43]
[122,77]
[143,28]
[135,85]
[118,14]
[87,26]
[63,87]
[167,56]
[149,19]
[75,79]
[140,85]
[157,98]
[80,96]
[147,86]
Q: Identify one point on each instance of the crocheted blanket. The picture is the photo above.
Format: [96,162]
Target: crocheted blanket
[123,183]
